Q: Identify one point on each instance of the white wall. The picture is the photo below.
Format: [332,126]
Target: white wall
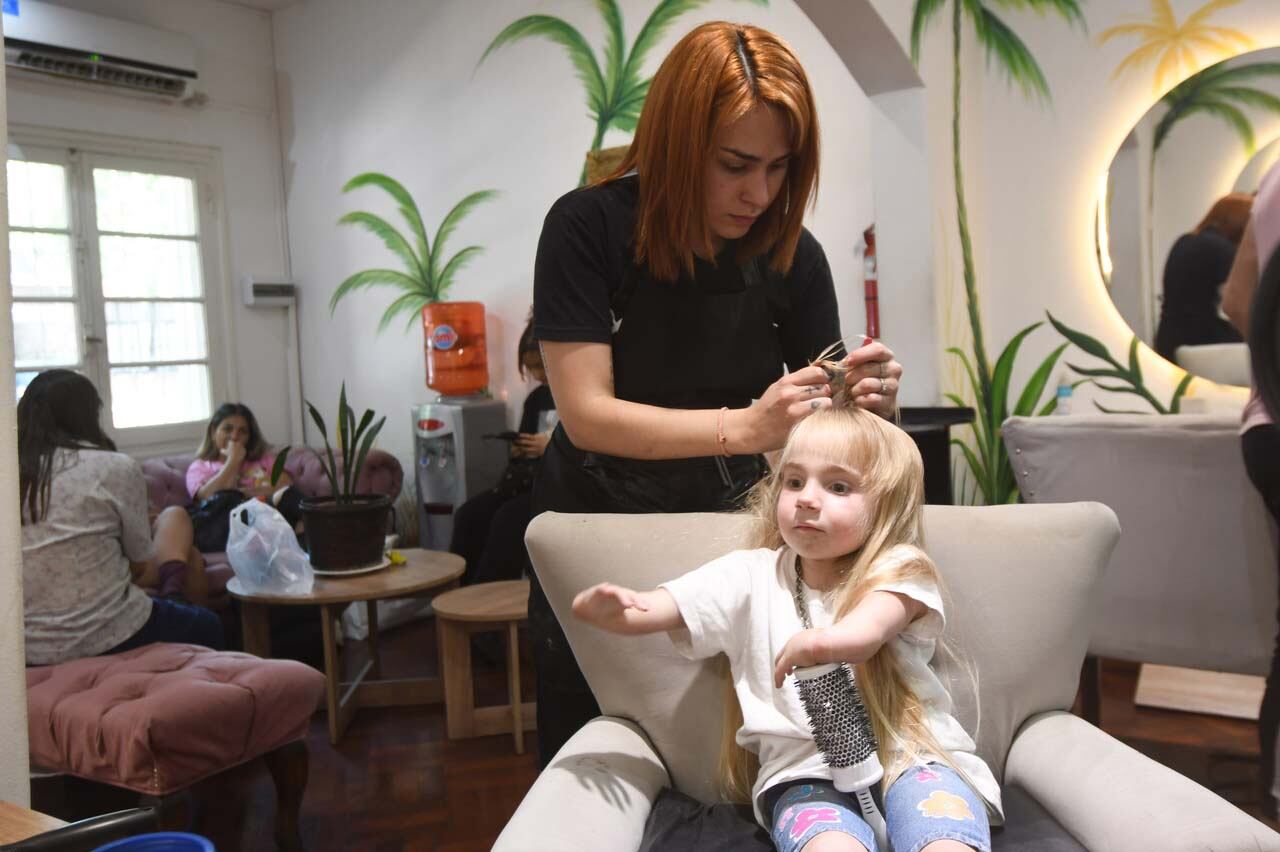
[236,72]
[14,784]
[1031,176]
[394,87]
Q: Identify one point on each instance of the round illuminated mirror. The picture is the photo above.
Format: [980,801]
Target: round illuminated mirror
[1174,202]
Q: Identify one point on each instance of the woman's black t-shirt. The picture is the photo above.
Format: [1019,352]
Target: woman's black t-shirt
[586,254]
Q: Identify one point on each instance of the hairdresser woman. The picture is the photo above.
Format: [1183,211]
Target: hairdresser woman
[668,298]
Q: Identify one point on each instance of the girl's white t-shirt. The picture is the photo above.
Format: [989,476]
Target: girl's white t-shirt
[743,605]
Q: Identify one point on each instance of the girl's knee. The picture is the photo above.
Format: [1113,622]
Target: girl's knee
[833,841]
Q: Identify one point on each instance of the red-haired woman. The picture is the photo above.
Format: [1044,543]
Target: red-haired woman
[669,297]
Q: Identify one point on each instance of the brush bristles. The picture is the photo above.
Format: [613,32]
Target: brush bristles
[841,727]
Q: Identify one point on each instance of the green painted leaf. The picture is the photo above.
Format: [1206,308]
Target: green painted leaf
[1255,98]
[1035,386]
[1005,50]
[1089,345]
[459,260]
[920,16]
[1175,404]
[408,209]
[1100,373]
[615,48]
[626,121]
[560,32]
[392,238]
[411,302]
[374,277]
[450,224]
[1068,10]
[1135,369]
[1106,410]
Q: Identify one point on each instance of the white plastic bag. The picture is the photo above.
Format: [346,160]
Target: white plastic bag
[264,552]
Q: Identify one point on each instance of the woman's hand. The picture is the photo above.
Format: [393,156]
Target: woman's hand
[531,446]
[873,377]
[766,423]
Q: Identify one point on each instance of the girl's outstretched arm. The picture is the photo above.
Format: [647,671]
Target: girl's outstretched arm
[625,611]
[877,618]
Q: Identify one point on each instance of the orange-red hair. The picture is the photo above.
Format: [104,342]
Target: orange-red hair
[1228,216]
[712,77]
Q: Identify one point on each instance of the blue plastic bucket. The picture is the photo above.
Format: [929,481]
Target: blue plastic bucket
[163,841]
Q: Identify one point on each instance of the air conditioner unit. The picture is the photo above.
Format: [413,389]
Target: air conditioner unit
[89,48]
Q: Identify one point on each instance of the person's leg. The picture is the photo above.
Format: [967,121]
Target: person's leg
[171,621]
[505,556]
[930,805]
[176,566]
[565,702]
[813,816]
[1261,449]
[471,526]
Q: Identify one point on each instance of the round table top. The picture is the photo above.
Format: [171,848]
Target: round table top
[504,600]
[422,570]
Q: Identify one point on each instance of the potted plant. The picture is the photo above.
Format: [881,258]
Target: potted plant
[453,332]
[346,530]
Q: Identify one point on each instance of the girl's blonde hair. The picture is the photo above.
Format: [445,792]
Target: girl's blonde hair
[892,476]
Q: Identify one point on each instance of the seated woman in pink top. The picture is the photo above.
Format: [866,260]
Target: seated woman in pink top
[232,465]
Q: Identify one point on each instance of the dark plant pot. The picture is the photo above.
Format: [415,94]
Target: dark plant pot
[346,536]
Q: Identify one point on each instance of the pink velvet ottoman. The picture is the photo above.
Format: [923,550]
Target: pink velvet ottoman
[158,719]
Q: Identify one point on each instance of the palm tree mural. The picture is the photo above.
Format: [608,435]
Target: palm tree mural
[989,463]
[1220,91]
[615,88]
[1177,49]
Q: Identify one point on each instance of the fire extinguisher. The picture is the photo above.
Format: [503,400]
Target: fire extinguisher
[870,282]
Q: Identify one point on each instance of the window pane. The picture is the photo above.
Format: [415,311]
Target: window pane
[45,334]
[140,203]
[155,331]
[22,380]
[135,392]
[37,195]
[40,264]
[146,268]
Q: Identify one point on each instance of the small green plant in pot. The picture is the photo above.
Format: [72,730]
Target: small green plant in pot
[346,530]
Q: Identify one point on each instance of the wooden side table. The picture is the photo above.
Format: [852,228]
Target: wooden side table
[500,606]
[424,572]
[18,823]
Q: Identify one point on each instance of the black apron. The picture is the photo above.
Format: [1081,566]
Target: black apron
[675,345]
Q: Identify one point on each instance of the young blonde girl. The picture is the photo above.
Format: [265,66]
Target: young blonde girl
[838,533]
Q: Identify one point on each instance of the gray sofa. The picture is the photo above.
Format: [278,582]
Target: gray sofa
[1022,581]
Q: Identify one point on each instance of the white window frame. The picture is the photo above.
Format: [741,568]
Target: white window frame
[81,152]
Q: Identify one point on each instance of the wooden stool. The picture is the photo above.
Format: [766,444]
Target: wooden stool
[484,607]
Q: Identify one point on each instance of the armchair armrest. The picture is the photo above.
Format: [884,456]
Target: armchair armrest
[596,793]
[1111,797]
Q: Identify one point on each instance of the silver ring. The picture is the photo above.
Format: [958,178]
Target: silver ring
[883,387]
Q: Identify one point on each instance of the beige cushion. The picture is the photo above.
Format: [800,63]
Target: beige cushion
[1193,579]
[1020,578]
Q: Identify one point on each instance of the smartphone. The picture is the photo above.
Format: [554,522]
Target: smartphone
[502,436]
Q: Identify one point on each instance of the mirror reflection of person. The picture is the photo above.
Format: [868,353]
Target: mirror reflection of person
[670,299]
[1259,434]
[1194,273]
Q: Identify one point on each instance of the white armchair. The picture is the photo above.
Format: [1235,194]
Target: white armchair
[1022,581]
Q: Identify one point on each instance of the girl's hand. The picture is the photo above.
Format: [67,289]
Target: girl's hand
[605,606]
[766,423]
[873,377]
[235,453]
[806,648]
[531,446]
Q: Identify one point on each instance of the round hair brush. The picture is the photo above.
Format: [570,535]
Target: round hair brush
[844,736]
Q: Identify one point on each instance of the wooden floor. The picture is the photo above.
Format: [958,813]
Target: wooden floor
[395,782]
